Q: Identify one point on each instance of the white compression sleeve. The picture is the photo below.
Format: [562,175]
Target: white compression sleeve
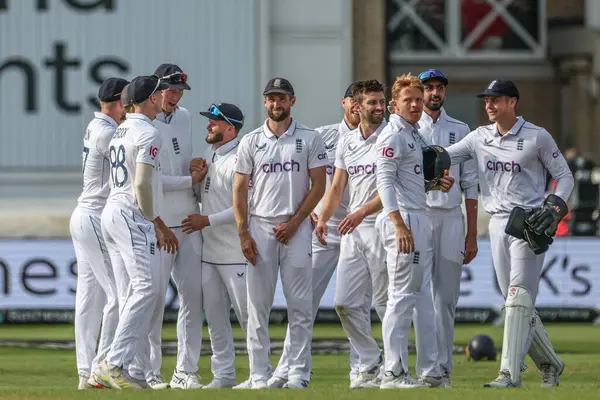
[143,189]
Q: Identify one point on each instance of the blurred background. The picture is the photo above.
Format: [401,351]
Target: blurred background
[55,53]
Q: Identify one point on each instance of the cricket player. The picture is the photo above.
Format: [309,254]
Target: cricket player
[325,257]
[451,248]
[133,229]
[362,256]
[96,287]
[223,272]
[513,157]
[404,226]
[287,163]
[175,127]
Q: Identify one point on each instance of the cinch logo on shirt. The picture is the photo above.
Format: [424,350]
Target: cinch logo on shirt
[418,169]
[503,166]
[322,156]
[330,169]
[288,166]
[368,169]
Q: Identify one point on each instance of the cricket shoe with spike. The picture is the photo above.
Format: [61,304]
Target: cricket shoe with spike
[276,382]
[94,383]
[247,384]
[402,381]
[185,380]
[114,377]
[550,375]
[502,381]
[220,383]
[296,384]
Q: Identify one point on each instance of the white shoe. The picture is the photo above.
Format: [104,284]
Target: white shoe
[247,384]
[220,383]
[370,379]
[550,374]
[402,381]
[83,383]
[296,384]
[185,380]
[259,385]
[276,382]
[114,377]
[431,381]
[94,383]
[141,382]
[502,381]
[157,383]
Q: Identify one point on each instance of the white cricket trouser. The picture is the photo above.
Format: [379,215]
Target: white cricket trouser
[440,293]
[406,275]
[324,262]
[293,261]
[185,267]
[96,290]
[131,243]
[361,258]
[223,288]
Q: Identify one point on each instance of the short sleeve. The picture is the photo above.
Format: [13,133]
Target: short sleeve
[244,164]
[148,145]
[317,156]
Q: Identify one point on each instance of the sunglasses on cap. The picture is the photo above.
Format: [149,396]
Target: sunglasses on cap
[432,74]
[177,77]
[214,110]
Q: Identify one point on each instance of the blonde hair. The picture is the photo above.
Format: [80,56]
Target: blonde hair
[404,81]
[129,108]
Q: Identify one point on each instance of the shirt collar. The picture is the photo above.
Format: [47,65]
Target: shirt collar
[343,127]
[164,118]
[375,134]
[104,117]
[227,147]
[139,116]
[515,128]
[426,118]
[404,123]
[290,132]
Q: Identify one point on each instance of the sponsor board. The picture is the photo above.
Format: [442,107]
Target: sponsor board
[38,281]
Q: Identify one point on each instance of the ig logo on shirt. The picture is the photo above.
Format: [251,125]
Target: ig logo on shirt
[388,152]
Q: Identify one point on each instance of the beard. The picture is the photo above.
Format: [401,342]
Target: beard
[213,138]
[436,107]
[375,119]
[352,118]
[284,114]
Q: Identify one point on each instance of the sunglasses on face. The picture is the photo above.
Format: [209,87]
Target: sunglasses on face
[177,77]
[432,73]
[214,110]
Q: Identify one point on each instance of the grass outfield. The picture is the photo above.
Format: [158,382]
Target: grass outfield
[35,374]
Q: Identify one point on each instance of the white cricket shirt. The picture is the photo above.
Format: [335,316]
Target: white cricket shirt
[135,141]
[445,132]
[331,135]
[358,157]
[512,168]
[400,180]
[221,244]
[175,157]
[279,168]
[96,165]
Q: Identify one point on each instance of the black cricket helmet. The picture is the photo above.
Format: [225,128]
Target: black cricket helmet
[481,348]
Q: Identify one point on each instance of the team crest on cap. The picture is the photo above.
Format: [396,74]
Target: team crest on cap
[277,82]
[492,85]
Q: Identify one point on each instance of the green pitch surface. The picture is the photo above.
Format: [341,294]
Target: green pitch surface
[51,374]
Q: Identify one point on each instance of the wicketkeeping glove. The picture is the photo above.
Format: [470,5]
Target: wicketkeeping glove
[436,163]
[544,220]
[516,226]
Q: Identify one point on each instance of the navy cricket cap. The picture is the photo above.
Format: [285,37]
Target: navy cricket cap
[501,87]
[279,85]
[173,76]
[110,90]
[349,90]
[142,87]
[225,112]
[433,74]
